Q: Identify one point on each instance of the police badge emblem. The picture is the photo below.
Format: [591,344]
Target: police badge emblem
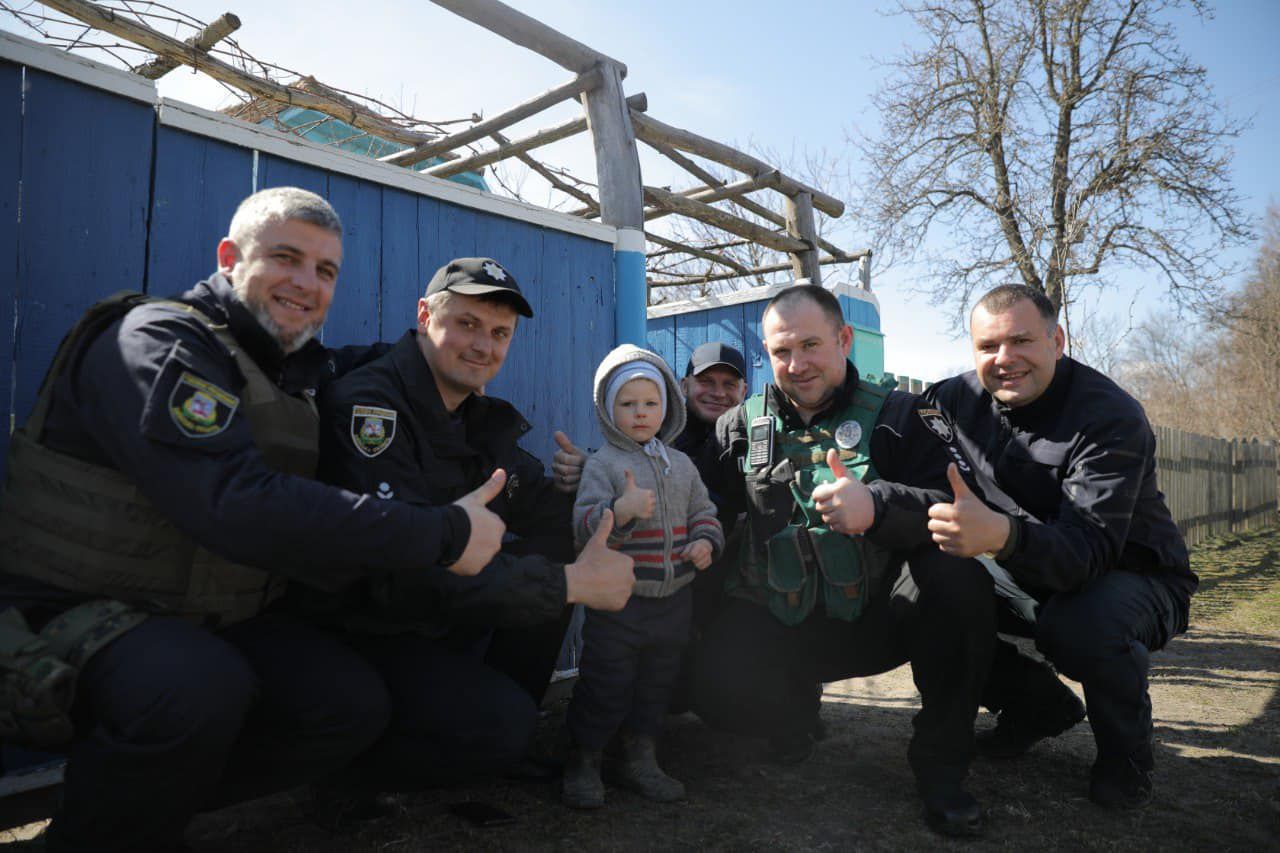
[848,434]
[372,429]
[200,409]
[937,422]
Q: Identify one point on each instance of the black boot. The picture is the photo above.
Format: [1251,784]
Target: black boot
[949,809]
[1020,728]
[1120,782]
[582,787]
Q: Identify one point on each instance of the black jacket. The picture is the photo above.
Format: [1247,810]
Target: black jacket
[110,407]
[431,457]
[1076,470]
[910,458]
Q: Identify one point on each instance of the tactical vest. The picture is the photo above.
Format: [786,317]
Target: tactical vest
[788,559]
[88,529]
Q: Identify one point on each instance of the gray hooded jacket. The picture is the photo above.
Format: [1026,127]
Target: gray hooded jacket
[683,512]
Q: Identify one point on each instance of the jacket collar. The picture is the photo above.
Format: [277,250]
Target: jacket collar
[215,298]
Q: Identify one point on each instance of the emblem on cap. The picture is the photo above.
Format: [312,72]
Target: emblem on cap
[494,271]
[372,429]
[937,422]
[848,434]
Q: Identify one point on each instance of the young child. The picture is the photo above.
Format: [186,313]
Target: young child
[664,519]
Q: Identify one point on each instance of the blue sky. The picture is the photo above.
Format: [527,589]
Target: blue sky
[787,76]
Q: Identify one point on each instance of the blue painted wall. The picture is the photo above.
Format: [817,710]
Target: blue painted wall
[144,206]
[675,337]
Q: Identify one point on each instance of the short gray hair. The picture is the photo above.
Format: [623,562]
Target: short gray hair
[281,204]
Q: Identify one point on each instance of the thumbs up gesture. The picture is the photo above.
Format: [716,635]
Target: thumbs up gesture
[600,578]
[634,502]
[486,527]
[846,505]
[567,464]
[967,527]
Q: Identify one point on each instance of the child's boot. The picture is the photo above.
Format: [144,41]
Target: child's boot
[581,786]
[639,771]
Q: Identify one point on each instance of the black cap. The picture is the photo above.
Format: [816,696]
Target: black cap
[476,277]
[712,353]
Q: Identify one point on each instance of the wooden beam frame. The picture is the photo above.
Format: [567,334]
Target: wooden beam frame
[729,263]
[765,270]
[517,27]
[550,98]
[648,128]
[543,137]
[216,31]
[724,221]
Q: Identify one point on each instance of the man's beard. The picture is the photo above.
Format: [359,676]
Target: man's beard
[288,343]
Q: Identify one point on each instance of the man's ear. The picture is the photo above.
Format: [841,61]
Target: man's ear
[846,339]
[424,314]
[228,255]
[1059,340]
[742,391]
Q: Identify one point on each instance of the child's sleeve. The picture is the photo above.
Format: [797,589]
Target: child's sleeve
[702,522]
[595,494]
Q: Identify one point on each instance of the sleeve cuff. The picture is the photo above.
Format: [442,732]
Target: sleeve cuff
[457,532]
[1010,544]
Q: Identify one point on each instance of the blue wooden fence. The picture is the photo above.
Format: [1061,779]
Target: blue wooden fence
[102,188]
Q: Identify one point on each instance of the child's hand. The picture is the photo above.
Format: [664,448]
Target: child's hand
[633,503]
[697,552]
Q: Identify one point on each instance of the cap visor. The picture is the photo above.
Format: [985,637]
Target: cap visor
[517,300]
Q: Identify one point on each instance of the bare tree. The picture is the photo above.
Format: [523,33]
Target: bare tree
[1049,142]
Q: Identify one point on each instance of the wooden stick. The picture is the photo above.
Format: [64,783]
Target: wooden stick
[531,33]
[707,195]
[502,152]
[649,128]
[550,176]
[551,97]
[694,250]
[771,268]
[108,21]
[678,247]
[804,264]
[199,44]
[724,221]
[745,203]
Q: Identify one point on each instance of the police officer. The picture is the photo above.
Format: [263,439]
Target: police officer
[156,500]
[414,426]
[812,601]
[1067,504]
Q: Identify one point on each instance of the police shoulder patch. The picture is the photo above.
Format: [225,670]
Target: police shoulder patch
[200,409]
[372,429]
[937,422]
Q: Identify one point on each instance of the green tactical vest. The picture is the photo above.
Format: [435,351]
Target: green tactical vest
[88,529]
[788,559]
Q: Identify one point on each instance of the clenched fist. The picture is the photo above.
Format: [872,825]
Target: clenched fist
[634,502]
[487,528]
[600,578]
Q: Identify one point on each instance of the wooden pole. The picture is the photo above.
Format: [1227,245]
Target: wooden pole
[199,44]
[551,97]
[649,128]
[698,252]
[745,203]
[517,27]
[502,152]
[724,221]
[804,264]
[109,22]
[764,270]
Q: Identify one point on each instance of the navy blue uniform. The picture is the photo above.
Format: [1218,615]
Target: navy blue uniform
[1092,541]
[465,698]
[172,717]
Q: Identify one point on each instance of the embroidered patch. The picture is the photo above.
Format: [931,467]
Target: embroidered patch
[199,408]
[372,429]
[513,483]
[385,491]
[937,422]
[848,434]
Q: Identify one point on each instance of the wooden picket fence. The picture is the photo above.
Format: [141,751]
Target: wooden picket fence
[1215,485]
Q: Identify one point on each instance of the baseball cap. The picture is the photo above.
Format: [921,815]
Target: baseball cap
[712,353]
[476,277]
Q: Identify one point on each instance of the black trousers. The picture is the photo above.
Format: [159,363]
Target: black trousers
[172,718]
[630,663]
[462,707]
[1100,635]
[755,676]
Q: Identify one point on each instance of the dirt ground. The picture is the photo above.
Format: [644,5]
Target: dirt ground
[1216,694]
